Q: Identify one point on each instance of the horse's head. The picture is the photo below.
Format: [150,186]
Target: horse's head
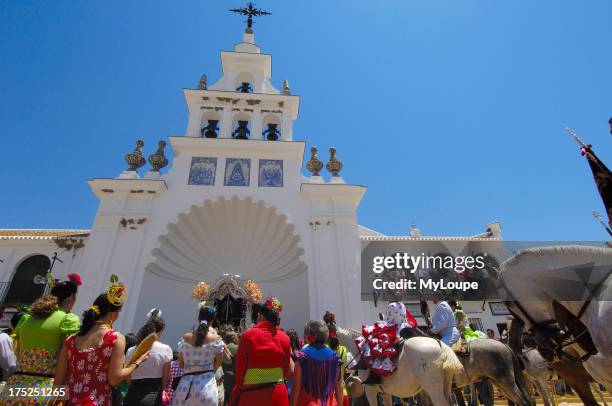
[346,337]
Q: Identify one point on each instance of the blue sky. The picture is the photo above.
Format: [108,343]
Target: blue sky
[451,112]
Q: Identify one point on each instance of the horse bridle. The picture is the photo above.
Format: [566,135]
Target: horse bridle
[570,337]
[559,348]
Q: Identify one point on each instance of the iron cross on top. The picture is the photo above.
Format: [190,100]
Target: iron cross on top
[250,11]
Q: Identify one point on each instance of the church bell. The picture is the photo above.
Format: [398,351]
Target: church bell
[210,131]
[242,132]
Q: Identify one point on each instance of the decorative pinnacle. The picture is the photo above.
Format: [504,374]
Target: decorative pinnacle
[203,83]
[286,89]
[158,160]
[314,165]
[334,166]
[250,11]
[135,159]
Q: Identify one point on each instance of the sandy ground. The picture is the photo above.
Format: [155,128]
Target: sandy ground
[563,401]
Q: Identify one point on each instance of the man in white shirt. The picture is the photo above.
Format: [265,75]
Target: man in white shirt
[443,323]
[8,360]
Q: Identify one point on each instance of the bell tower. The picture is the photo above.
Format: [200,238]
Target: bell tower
[243,103]
[234,201]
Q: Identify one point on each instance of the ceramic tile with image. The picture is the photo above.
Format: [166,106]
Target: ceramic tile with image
[237,171]
[271,172]
[202,171]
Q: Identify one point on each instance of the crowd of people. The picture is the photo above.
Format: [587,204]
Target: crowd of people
[48,345]
[214,364]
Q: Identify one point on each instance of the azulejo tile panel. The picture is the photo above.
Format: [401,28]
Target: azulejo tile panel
[202,171]
[270,173]
[237,171]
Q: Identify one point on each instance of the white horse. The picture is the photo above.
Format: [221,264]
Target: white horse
[424,364]
[532,279]
[487,359]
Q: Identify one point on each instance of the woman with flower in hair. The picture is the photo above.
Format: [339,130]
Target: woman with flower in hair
[91,361]
[40,334]
[263,361]
[200,355]
[66,293]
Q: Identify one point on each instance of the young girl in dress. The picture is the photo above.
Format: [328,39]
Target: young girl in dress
[200,355]
[91,361]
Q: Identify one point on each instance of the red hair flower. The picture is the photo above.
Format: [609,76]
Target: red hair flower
[274,304]
[75,278]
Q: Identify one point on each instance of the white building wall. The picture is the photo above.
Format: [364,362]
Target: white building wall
[14,252]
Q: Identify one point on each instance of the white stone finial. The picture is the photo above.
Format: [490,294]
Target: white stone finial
[415,231]
[494,229]
[286,89]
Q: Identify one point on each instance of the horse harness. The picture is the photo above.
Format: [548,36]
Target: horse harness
[573,331]
[582,337]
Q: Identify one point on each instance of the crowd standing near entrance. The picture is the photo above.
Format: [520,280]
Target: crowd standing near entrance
[214,365]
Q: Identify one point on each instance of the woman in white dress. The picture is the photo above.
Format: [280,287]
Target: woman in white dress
[200,354]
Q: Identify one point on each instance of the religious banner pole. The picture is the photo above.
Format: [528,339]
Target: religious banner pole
[575,136]
[601,175]
[601,221]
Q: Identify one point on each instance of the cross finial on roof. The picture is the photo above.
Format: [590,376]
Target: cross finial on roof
[250,11]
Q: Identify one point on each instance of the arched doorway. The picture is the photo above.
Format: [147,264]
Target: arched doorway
[23,290]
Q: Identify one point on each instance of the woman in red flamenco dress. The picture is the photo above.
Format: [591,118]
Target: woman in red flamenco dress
[263,361]
[92,360]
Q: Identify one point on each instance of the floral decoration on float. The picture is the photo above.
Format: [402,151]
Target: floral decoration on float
[200,291]
[253,291]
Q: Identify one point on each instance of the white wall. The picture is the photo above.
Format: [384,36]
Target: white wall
[14,252]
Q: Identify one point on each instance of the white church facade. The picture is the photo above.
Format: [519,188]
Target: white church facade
[235,202]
